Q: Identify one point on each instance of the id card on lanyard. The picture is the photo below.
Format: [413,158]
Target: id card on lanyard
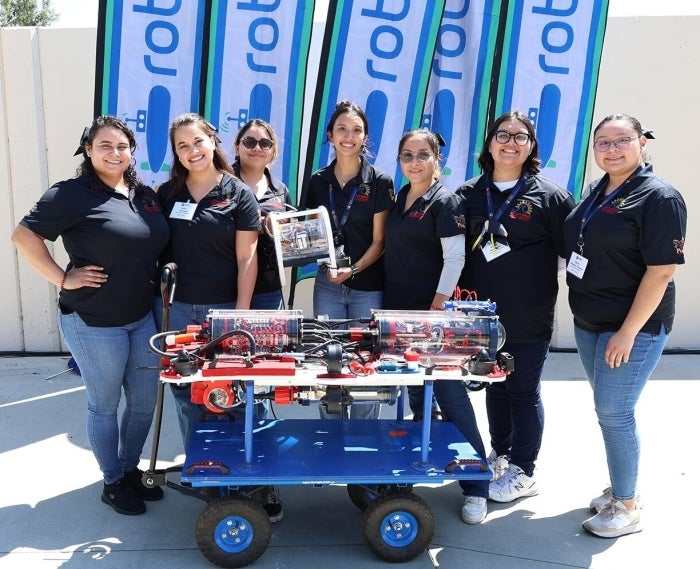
[338,236]
[496,243]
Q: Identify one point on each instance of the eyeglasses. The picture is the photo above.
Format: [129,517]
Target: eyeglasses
[407,157]
[621,143]
[249,142]
[504,137]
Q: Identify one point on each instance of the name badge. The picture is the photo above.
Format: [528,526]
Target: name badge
[494,249]
[577,265]
[183,210]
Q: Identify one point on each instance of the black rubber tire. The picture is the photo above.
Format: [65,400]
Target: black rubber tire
[362,495]
[398,528]
[232,532]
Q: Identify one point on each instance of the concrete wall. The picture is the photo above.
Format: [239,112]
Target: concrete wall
[47,97]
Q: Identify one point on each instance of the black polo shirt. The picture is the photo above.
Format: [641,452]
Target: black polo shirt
[100,226]
[522,282]
[644,225]
[413,249]
[204,247]
[374,193]
[274,199]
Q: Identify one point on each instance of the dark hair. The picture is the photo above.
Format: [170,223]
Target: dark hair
[346,106]
[532,163]
[178,172]
[131,178]
[633,122]
[433,140]
[264,125]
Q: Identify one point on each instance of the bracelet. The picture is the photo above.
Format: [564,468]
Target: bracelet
[355,270]
[63,280]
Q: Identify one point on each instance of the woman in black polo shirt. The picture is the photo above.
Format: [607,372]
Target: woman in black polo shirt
[623,243]
[113,231]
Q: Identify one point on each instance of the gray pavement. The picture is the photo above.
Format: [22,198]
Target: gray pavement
[51,515]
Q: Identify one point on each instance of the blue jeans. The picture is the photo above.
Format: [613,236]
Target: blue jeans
[339,302]
[454,402]
[267,301]
[514,406]
[615,394]
[188,413]
[112,359]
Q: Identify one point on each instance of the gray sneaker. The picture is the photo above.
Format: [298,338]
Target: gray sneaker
[512,485]
[614,520]
[474,510]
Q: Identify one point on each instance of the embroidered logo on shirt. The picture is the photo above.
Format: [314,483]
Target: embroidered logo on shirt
[363,193]
[679,244]
[614,206]
[461,222]
[219,203]
[522,210]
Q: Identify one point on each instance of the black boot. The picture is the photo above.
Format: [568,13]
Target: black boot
[135,480]
[123,499]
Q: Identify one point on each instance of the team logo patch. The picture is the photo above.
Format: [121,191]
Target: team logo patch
[679,245]
[614,206]
[363,193]
[460,222]
[220,203]
[522,210]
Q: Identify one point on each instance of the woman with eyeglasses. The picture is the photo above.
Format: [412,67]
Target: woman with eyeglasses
[113,231]
[424,257]
[256,148]
[514,240]
[358,197]
[214,220]
[623,243]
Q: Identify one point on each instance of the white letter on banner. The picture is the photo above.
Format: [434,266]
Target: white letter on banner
[383,54]
[384,15]
[150,8]
[256,44]
[258,6]
[449,52]
[551,48]
[153,46]
[549,10]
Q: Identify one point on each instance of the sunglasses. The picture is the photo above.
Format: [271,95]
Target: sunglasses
[407,157]
[249,142]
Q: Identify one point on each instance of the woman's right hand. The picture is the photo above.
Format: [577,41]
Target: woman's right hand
[90,276]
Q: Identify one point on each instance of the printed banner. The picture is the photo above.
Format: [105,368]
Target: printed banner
[458,93]
[378,55]
[550,72]
[257,69]
[151,62]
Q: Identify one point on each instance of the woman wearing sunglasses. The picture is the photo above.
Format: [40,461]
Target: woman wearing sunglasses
[256,148]
[623,243]
[515,221]
[424,257]
[358,198]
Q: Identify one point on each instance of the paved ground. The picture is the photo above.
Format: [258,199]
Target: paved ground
[51,515]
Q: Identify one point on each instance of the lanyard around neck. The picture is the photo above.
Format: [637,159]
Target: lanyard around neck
[346,211]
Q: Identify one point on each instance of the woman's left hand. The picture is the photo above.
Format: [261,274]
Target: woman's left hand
[617,351]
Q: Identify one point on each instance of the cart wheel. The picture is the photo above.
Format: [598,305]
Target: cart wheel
[232,532]
[362,495]
[398,528]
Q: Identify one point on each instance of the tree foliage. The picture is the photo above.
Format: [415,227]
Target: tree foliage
[26,13]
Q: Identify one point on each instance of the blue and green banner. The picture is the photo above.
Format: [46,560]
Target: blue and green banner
[458,94]
[149,70]
[258,51]
[549,70]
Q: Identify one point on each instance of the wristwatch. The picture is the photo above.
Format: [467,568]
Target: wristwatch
[355,270]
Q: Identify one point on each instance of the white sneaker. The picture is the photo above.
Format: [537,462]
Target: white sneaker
[512,485]
[601,501]
[614,520]
[498,464]
[474,510]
